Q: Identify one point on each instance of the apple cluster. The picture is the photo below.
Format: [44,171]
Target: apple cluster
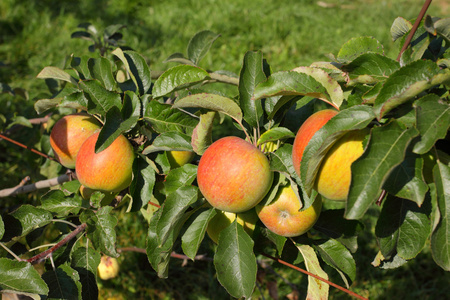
[73,140]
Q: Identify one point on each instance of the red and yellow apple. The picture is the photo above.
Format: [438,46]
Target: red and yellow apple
[110,170]
[282,215]
[233,175]
[179,158]
[68,134]
[223,219]
[108,267]
[334,175]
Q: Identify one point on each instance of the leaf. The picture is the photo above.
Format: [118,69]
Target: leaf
[275,134]
[278,240]
[100,100]
[202,134]
[235,261]
[178,77]
[385,151]
[354,118]
[317,289]
[56,73]
[440,247]
[57,202]
[137,69]
[141,187]
[290,83]
[402,228]
[63,282]
[179,177]
[406,83]
[433,121]
[101,230]
[331,85]
[399,28]
[212,102]
[2,227]
[163,118]
[358,46]
[21,276]
[85,261]
[179,57]
[406,180]
[250,76]
[101,69]
[200,44]
[337,256]
[195,232]
[169,141]
[442,28]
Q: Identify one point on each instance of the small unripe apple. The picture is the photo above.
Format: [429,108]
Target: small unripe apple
[334,175]
[282,215]
[110,170]
[68,134]
[223,219]
[306,132]
[108,268]
[179,158]
[233,175]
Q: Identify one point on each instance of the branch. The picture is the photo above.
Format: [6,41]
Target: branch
[28,148]
[23,189]
[173,254]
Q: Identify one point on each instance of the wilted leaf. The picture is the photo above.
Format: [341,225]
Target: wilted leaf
[21,276]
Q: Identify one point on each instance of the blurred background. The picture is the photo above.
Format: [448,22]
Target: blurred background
[37,33]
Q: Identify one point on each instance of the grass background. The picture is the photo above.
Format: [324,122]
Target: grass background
[36,33]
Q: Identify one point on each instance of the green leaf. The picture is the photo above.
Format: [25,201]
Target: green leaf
[195,232]
[235,261]
[275,134]
[337,256]
[406,83]
[2,227]
[406,180]
[288,83]
[100,100]
[179,177]
[136,68]
[251,75]
[169,141]
[63,282]
[399,28]
[440,245]
[202,134]
[21,276]
[200,44]
[56,73]
[57,202]
[85,260]
[69,97]
[141,187]
[163,118]
[402,228]
[212,102]
[358,46]
[101,69]
[179,58]
[178,77]
[385,151]
[101,230]
[433,121]
[316,289]
[278,240]
[442,28]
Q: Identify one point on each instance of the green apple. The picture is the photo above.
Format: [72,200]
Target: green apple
[180,158]
[223,219]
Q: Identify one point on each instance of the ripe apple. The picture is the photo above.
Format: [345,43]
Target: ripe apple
[108,267]
[179,158]
[282,215]
[334,175]
[223,219]
[306,132]
[68,134]
[109,170]
[233,175]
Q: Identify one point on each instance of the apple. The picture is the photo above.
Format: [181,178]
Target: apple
[179,158]
[68,134]
[108,267]
[306,132]
[223,219]
[109,170]
[282,215]
[233,175]
[334,175]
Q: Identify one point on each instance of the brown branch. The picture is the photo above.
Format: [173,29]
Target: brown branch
[47,253]
[22,189]
[414,28]
[28,148]
[173,254]
[315,276]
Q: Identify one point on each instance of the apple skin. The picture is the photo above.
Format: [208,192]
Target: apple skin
[334,175]
[306,132]
[110,170]
[282,215]
[233,175]
[108,268]
[223,219]
[68,134]
[179,158]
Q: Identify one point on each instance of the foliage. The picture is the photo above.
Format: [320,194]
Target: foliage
[404,167]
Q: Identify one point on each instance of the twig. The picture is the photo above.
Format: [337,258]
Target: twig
[173,254]
[380,199]
[414,28]
[26,147]
[34,121]
[35,186]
